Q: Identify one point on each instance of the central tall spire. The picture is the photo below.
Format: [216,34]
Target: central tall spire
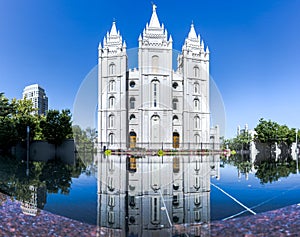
[155,34]
[113,30]
[154,22]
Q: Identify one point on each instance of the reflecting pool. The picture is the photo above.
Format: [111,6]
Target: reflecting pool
[149,195]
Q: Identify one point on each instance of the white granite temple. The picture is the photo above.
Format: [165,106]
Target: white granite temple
[153,106]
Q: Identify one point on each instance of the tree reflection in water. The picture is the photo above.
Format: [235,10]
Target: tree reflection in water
[52,176]
[271,170]
[267,169]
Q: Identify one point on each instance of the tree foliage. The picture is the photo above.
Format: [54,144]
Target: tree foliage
[240,142]
[54,176]
[16,115]
[23,116]
[84,139]
[57,126]
[270,132]
[271,170]
[85,143]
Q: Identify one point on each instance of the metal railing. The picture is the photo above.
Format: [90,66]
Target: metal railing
[159,146]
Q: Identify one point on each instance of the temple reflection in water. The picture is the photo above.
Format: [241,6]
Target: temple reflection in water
[155,196]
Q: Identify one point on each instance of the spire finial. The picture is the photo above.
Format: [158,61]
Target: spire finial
[113,30]
[153,7]
[192,33]
[154,22]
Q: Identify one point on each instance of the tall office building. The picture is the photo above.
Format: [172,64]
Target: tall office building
[37,95]
[153,104]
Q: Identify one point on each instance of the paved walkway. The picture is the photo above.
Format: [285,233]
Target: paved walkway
[281,222]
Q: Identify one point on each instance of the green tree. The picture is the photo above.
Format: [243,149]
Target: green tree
[5,106]
[23,115]
[270,132]
[267,131]
[57,126]
[85,143]
[271,170]
[8,132]
[240,142]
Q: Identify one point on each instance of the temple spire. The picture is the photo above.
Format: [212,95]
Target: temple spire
[192,33]
[154,22]
[154,34]
[113,42]
[113,30]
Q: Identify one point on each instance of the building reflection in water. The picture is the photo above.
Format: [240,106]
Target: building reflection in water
[155,196]
[36,202]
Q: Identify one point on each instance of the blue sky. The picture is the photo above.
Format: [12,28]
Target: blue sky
[254,45]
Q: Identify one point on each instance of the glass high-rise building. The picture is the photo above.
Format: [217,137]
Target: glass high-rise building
[37,95]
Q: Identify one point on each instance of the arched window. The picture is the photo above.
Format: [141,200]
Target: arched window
[197,182]
[111,164]
[175,119]
[197,200]
[155,91]
[132,103]
[155,63]
[111,217]
[111,102]
[112,86]
[132,84]
[111,139]
[175,103]
[111,121]
[175,85]
[196,72]
[112,69]
[111,201]
[196,88]
[196,104]
[155,210]
[155,129]
[132,116]
[197,122]
[197,138]
[197,215]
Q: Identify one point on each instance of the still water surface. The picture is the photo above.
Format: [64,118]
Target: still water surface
[137,194]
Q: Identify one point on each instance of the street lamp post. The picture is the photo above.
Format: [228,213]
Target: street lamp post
[296,141]
[27,168]
[296,150]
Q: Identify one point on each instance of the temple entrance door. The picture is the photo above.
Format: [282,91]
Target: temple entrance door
[132,139]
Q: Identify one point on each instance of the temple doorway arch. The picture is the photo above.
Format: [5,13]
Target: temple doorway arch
[132,139]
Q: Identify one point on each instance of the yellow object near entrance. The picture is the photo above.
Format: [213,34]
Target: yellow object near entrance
[175,140]
[160,153]
[107,152]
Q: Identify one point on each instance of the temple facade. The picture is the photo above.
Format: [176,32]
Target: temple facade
[153,106]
